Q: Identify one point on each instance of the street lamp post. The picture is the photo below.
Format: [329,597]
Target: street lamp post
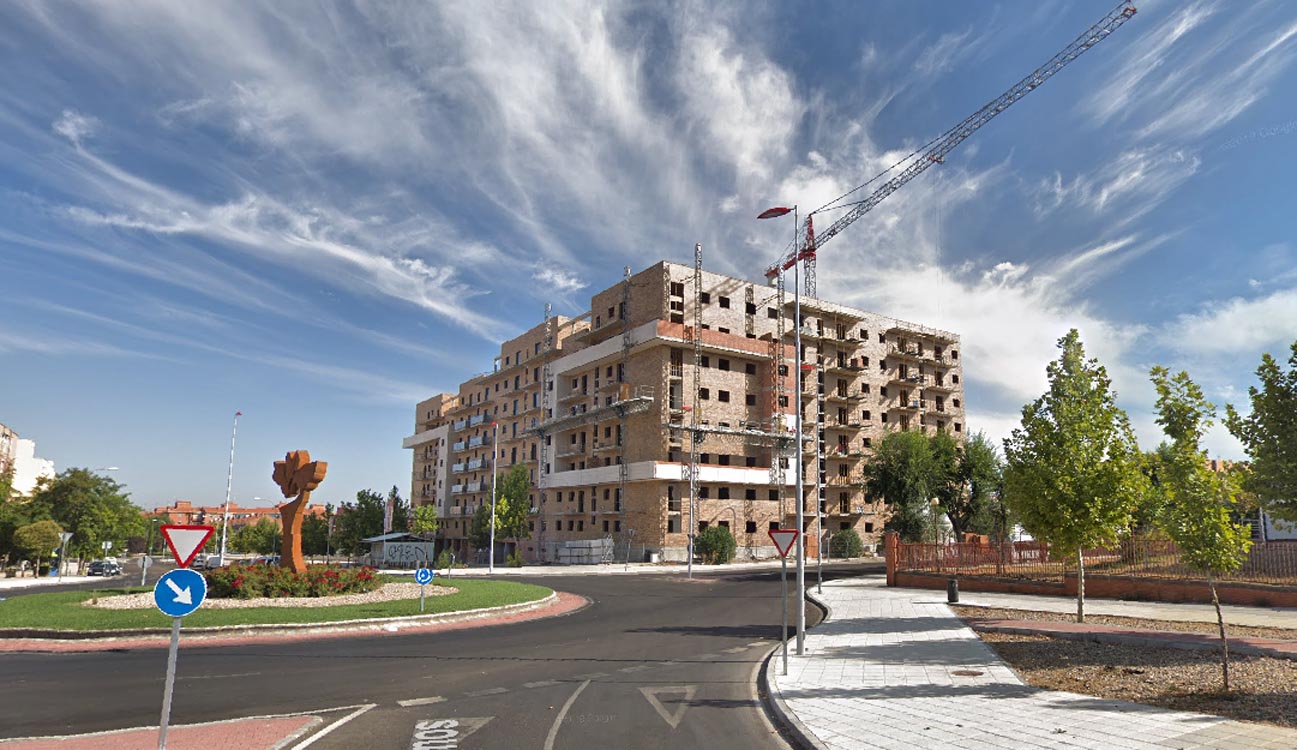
[935,504]
[799,547]
[495,453]
[229,483]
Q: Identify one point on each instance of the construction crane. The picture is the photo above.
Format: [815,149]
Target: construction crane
[935,151]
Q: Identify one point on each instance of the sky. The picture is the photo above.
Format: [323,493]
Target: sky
[320,214]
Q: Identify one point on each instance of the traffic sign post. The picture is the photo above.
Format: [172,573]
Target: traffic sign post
[784,540]
[64,538]
[423,577]
[145,562]
[178,593]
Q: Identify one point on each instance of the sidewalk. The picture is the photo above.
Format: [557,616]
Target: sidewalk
[620,569]
[24,583]
[894,668]
[1261,617]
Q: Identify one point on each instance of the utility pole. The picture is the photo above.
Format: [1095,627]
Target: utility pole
[800,547]
[229,484]
[495,452]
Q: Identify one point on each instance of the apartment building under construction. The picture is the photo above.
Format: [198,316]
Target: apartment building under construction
[679,378]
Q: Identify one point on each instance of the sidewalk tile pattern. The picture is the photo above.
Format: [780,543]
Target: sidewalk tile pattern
[894,668]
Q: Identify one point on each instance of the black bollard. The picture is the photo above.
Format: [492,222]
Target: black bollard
[952,591]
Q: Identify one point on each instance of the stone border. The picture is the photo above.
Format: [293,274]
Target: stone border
[790,727]
[375,623]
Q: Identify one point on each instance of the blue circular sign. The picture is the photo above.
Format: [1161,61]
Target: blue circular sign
[180,592]
[423,576]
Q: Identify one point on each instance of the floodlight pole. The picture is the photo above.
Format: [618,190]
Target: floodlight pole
[229,484]
[799,549]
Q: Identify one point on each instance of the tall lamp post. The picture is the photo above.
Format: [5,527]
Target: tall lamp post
[229,484]
[799,547]
[495,453]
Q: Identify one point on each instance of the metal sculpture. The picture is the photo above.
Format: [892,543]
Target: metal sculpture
[297,475]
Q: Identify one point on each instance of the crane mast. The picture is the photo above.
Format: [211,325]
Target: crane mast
[935,151]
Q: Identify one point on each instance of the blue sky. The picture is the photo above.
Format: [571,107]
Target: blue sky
[320,216]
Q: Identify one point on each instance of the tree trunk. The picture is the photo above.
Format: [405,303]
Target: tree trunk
[1080,585]
[1224,642]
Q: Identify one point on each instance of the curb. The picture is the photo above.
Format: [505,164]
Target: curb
[790,727]
[1152,638]
[339,626]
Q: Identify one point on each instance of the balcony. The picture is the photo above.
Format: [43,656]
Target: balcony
[611,445]
[849,425]
[943,386]
[911,406]
[571,450]
[459,446]
[457,468]
[845,367]
[461,425]
[906,379]
[475,464]
[573,396]
[478,441]
[476,420]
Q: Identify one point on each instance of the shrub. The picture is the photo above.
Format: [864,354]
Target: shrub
[257,581]
[443,560]
[715,545]
[514,560]
[846,543]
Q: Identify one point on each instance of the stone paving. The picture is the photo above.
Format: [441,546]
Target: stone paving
[894,668]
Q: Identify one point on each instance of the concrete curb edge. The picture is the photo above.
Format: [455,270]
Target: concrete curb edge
[792,728]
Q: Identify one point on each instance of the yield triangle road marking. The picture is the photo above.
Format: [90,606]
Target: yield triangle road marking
[185,541]
[672,718]
[183,596]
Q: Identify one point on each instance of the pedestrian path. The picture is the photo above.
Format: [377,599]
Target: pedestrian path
[1261,617]
[895,668]
[25,583]
[676,569]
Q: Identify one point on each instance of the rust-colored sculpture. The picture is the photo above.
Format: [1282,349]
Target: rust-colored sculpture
[296,475]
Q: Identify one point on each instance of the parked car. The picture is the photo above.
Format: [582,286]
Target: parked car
[266,560]
[105,568]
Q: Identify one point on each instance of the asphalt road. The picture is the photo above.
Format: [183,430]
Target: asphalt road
[652,657]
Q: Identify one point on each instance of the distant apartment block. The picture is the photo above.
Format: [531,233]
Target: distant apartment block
[185,512]
[600,408]
[19,456]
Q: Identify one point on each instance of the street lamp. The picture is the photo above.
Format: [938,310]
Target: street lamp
[106,468]
[771,213]
[495,453]
[229,482]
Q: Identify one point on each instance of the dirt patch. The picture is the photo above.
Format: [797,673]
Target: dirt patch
[385,593]
[1233,631]
[1265,689]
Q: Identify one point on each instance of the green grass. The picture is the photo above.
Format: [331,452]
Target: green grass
[64,611]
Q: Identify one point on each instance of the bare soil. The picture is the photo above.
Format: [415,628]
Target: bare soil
[1241,631]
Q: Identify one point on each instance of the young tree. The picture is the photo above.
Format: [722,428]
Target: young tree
[512,508]
[315,535]
[947,485]
[901,473]
[359,520]
[400,510]
[261,537]
[1072,469]
[37,540]
[425,519]
[1269,434]
[94,508]
[1200,502]
[479,530]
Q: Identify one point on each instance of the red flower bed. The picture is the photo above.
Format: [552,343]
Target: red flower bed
[256,581]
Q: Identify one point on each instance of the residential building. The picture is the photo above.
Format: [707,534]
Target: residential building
[28,468]
[8,445]
[600,409]
[185,512]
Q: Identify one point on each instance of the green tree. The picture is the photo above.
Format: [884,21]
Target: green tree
[846,543]
[315,535]
[902,472]
[261,538]
[1072,468]
[1198,513]
[715,545]
[13,516]
[982,471]
[479,530]
[1269,433]
[947,485]
[358,520]
[425,519]
[400,510]
[94,508]
[6,484]
[513,509]
[37,540]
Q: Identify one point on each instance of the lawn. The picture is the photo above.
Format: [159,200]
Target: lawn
[63,610]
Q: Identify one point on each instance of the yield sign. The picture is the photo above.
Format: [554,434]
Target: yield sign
[185,541]
[783,539]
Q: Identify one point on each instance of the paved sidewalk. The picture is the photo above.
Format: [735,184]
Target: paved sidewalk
[675,569]
[894,668]
[1261,617]
[24,583]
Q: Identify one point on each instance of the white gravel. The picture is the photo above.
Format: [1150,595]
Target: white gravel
[385,593]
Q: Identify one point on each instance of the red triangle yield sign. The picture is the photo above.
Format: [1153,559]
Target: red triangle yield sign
[185,541]
[783,539]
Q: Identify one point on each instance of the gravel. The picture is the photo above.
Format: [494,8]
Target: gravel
[1210,628]
[385,593]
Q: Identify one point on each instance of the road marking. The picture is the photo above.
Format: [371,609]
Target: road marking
[218,676]
[636,668]
[553,731]
[444,734]
[311,740]
[736,649]
[420,701]
[708,657]
[542,683]
[756,644]
[488,691]
[651,693]
[591,676]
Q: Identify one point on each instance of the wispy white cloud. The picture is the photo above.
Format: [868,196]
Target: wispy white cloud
[1129,186]
[563,282]
[943,54]
[74,126]
[1236,326]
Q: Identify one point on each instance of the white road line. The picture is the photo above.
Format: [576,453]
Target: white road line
[755,644]
[488,691]
[311,740]
[636,668]
[553,731]
[420,701]
[218,676]
[542,683]
[592,676]
[735,650]
[707,657]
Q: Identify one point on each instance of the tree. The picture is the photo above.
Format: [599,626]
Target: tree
[6,484]
[425,520]
[13,516]
[846,543]
[315,535]
[969,479]
[479,530]
[1072,468]
[400,510]
[513,509]
[902,472]
[946,484]
[1198,513]
[94,508]
[1269,434]
[37,540]
[358,520]
[261,537]
[715,544]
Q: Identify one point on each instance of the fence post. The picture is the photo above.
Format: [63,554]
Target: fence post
[890,550]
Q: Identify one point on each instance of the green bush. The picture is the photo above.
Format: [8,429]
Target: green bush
[514,560]
[272,581]
[443,560]
[715,545]
[846,543]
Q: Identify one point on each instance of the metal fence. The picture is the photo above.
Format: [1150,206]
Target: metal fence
[1272,563]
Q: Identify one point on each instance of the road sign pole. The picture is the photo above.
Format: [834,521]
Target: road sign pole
[422,590]
[171,681]
[784,580]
